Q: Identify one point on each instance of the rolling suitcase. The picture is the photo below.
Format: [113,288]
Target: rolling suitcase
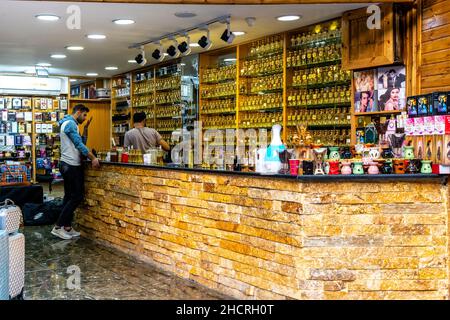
[4,265]
[10,216]
[16,265]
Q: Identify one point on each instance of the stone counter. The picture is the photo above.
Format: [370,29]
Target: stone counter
[265,238]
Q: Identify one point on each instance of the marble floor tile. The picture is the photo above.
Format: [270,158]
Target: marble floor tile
[105,273]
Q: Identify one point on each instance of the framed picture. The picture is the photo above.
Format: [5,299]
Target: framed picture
[391,99]
[364,80]
[366,101]
[391,77]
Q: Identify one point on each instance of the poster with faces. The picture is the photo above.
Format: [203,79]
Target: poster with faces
[365,91]
[391,83]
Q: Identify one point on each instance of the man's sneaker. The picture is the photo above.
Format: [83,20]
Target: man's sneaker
[73,232]
[61,233]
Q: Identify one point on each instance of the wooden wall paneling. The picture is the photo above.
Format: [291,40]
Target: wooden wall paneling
[100,128]
[434,40]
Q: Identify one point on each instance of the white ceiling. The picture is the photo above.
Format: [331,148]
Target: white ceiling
[26,41]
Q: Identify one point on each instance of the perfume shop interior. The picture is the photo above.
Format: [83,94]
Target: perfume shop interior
[309,144]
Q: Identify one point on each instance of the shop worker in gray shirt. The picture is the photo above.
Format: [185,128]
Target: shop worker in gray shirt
[143,138]
[73,145]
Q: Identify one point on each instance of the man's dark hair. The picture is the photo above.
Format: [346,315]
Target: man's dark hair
[392,71]
[81,108]
[139,117]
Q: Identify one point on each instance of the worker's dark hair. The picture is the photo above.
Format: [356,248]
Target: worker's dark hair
[139,117]
[81,108]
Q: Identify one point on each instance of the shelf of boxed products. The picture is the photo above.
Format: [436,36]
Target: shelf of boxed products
[222,74]
[121,87]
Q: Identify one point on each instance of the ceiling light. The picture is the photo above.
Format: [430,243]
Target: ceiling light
[92,74]
[184,47]
[288,18]
[58,56]
[173,49]
[158,53]
[74,48]
[43,64]
[239,33]
[96,36]
[73,80]
[229,59]
[205,41]
[47,17]
[194,45]
[111,68]
[132,61]
[123,21]
[140,58]
[30,71]
[227,35]
[185,14]
[182,64]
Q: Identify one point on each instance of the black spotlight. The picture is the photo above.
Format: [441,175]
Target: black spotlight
[227,36]
[204,42]
[172,51]
[184,48]
[140,58]
[157,55]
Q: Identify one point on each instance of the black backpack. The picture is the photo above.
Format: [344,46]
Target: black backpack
[42,214]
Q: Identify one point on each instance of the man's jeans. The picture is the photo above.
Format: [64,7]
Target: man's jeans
[73,192]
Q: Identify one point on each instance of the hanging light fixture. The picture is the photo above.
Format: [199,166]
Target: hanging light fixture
[185,46]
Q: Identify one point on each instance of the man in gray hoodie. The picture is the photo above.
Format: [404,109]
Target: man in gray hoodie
[73,146]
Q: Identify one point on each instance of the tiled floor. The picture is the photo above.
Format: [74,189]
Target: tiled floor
[104,272]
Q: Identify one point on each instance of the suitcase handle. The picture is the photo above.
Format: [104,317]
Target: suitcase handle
[7,202]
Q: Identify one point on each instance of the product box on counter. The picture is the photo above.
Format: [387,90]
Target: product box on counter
[440,102]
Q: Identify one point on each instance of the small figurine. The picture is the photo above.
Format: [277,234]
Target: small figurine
[302,143]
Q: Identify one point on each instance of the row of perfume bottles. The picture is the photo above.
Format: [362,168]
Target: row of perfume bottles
[144,87]
[313,76]
[168,125]
[166,137]
[220,122]
[264,65]
[121,92]
[121,128]
[334,116]
[266,83]
[326,137]
[219,90]
[217,106]
[314,37]
[314,55]
[173,82]
[260,102]
[167,111]
[270,44]
[219,74]
[168,97]
[260,120]
[143,101]
[306,97]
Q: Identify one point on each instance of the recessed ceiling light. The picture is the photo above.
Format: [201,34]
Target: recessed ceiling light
[47,17]
[92,74]
[73,80]
[30,71]
[124,21]
[96,36]
[43,64]
[194,44]
[132,61]
[74,48]
[288,18]
[166,54]
[182,64]
[111,68]
[58,56]
[229,59]
[185,14]
[239,33]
